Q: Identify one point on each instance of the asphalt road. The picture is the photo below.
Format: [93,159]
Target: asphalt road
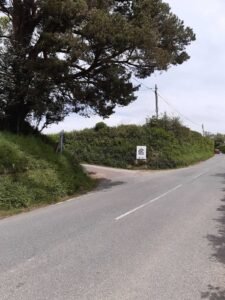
[141,235]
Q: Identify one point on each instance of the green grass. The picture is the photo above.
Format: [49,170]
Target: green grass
[169,144]
[32,174]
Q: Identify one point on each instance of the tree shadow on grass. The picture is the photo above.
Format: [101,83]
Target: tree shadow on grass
[218,244]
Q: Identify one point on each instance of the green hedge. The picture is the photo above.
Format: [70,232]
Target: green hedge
[31,173]
[222,148]
[170,145]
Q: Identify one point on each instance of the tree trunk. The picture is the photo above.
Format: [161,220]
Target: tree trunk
[15,120]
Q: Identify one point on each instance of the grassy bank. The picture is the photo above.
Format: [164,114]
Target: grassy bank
[170,145]
[32,174]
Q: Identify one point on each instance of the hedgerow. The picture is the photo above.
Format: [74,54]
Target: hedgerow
[169,144]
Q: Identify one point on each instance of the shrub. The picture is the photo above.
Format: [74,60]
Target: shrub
[222,148]
[169,144]
[100,126]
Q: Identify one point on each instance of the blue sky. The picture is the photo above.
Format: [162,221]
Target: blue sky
[195,89]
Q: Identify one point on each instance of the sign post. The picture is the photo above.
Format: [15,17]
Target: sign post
[141,153]
[60,146]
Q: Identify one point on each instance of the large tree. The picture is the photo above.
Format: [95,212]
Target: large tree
[63,56]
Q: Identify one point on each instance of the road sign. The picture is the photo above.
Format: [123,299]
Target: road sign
[60,145]
[141,153]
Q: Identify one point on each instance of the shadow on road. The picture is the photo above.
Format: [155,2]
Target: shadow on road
[218,241]
[105,184]
[214,293]
[218,244]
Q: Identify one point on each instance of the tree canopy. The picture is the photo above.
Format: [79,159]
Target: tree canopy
[63,56]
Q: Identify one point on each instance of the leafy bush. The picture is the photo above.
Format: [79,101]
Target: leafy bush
[100,126]
[31,173]
[219,140]
[222,148]
[169,143]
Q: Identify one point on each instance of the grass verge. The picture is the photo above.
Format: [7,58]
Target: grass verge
[33,175]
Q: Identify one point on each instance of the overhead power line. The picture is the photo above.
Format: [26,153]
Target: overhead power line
[155,91]
[178,112]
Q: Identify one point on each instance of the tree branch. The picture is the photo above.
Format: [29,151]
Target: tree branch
[5,10]
[4,36]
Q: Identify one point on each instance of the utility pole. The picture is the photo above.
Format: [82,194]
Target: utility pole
[203,130]
[156,102]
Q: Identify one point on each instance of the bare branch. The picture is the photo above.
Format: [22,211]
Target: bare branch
[5,10]
[5,36]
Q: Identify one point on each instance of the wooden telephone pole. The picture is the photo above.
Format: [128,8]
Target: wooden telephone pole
[156,102]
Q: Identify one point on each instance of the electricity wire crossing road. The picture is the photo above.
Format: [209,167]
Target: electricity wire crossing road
[168,103]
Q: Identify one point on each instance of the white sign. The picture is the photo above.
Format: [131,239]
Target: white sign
[142,152]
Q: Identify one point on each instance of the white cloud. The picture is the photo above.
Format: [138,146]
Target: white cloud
[195,88]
